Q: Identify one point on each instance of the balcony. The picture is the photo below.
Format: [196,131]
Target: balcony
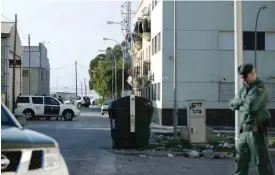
[142,31]
[146,68]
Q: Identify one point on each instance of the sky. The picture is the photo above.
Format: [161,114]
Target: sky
[72,30]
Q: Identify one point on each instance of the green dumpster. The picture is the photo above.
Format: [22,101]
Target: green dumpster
[130,119]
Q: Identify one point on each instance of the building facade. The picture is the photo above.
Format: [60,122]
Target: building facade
[39,70]
[8,36]
[205,56]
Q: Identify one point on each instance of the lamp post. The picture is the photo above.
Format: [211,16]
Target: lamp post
[122,87]
[128,31]
[113,76]
[255,32]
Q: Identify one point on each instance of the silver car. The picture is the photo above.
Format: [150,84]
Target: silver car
[27,152]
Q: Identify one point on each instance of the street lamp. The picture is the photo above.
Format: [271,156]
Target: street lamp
[113,76]
[122,87]
[127,47]
[255,32]
[113,22]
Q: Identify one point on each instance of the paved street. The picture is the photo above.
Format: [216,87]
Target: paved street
[86,146]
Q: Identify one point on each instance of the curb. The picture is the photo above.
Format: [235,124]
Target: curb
[164,153]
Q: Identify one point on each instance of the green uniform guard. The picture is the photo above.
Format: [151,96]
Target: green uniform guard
[252,102]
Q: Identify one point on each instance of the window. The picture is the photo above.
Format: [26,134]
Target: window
[249,40]
[154,3]
[153,46]
[51,101]
[25,73]
[226,40]
[156,44]
[270,41]
[37,100]
[23,100]
[154,92]
[158,91]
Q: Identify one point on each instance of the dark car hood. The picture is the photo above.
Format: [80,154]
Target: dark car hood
[16,138]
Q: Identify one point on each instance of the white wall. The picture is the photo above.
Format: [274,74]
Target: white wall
[156,63]
[200,62]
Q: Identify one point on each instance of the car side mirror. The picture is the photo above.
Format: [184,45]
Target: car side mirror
[21,119]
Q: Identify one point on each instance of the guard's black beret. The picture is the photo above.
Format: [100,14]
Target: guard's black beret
[245,69]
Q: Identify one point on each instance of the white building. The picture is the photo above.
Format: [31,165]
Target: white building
[205,55]
[7,52]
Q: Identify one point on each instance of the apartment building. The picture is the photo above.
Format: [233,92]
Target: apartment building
[39,70]
[205,55]
[8,36]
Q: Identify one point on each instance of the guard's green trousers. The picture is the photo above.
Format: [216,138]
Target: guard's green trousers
[255,147]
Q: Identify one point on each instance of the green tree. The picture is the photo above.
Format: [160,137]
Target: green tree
[101,78]
[101,71]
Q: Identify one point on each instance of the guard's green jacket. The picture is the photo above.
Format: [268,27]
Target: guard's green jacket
[254,109]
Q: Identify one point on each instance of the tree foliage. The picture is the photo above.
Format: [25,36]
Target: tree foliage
[100,72]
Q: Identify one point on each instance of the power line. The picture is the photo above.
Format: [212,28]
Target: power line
[57,68]
[7,18]
[83,66]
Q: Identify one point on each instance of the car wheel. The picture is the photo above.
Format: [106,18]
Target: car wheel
[29,114]
[102,113]
[68,115]
[78,105]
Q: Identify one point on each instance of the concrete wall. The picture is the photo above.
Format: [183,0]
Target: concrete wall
[9,50]
[41,67]
[198,44]
[201,64]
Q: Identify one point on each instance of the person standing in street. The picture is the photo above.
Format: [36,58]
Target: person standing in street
[251,102]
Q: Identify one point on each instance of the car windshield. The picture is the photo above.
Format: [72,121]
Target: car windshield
[7,118]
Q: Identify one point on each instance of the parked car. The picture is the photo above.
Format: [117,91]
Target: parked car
[82,101]
[104,107]
[44,106]
[27,152]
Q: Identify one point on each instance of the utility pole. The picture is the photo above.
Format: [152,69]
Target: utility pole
[81,89]
[238,57]
[14,64]
[175,111]
[75,78]
[85,87]
[29,40]
[126,25]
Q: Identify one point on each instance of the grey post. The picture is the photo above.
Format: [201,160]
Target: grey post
[29,74]
[175,112]
[14,64]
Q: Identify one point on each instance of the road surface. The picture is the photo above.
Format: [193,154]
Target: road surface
[86,146]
